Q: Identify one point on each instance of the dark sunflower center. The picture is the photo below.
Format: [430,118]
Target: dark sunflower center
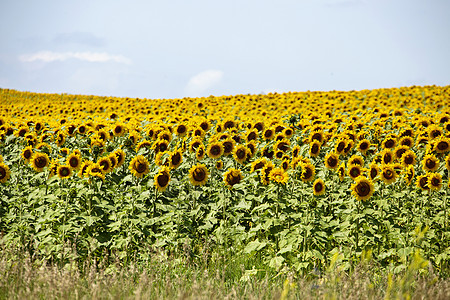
[27,154]
[251,136]
[118,130]
[430,163]
[332,161]
[104,164]
[364,146]
[388,174]
[199,174]
[268,133]
[363,189]
[435,133]
[317,136]
[141,167]
[390,143]
[387,158]
[163,180]
[409,160]
[119,158]
[340,146]
[307,173]
[240,153]
[283,146]
[354,172]
[65,172]
[2,173]
[318,187]
[423,183]
[215,150]
[442,145]
[176,158]
[227,147]
[435,182]
[232,180]
[259,165]
[373,173]
[96,170]
[41,162]
[315,149]
[181,129]
[73,162]
[400,152]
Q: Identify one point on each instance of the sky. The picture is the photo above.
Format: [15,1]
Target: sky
[197,48]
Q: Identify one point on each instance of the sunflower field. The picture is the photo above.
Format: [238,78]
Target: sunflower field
[294,179]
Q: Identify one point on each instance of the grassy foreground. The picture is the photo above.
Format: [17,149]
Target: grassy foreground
[212,276]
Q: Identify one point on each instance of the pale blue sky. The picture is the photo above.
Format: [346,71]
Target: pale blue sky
[180,48]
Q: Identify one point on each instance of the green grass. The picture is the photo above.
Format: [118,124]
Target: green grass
[210,276]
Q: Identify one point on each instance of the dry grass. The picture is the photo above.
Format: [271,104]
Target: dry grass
[176,278]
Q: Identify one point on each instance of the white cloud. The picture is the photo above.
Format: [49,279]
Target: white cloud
[203,81]
[49,56]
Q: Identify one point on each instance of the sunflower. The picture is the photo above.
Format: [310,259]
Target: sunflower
[318,187]
[60,138]
[288,132]
[278,175]
[39,161]
[258,164]
[251,135]
[407,141]
[363,146]
[442,145]
[120,155]
[388,173]
[447,162]
[268,134]
[355,160]
[95,170]
[105,163]
[409,175]
[162,179]
[219,164]
[348,147]
[389,142]
[228,146]
[240,153]
[332,161]
[139,166]
[161,146]
[422,182]
[285,164]
[113,159]
[340,146]
[434,131]
[27,153]
[181,130]
[145,144]
[175,159]
[408,158]
[195,143]
[430,163]
[362,188]
[354,171]
[296,151]
[165,135]
[200,154]
[64,171]
[434,181]
[374,170]
[84,168]
[387,156]
[341,171]
[74,161]
[5,173]
[308,172]
[314,148]
[231,177]
[399,151]
[316,136]
[215,150]
[119,129]
[198,175]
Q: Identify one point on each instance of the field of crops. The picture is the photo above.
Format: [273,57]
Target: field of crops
[296,180]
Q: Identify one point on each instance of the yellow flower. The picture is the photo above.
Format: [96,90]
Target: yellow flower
[64,171]
[430,163]
[215,150]
[139,166]
[198,175]
[5,173]
[318,187]
[362,189]
[278,175]
[434,181]
[388,174]
[232,177]
[39,161]
[162,179]
[73,161]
